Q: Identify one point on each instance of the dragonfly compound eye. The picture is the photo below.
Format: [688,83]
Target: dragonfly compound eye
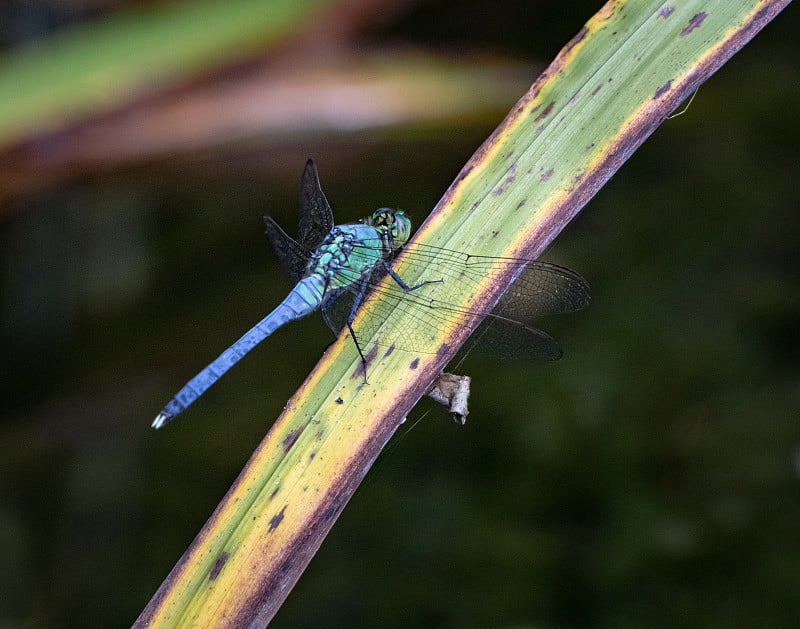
[401,228]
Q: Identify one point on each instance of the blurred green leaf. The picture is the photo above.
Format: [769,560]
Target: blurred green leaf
[100,65]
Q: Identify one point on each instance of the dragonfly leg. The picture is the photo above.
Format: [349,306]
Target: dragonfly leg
[402,284]
[356,303]
[358,347]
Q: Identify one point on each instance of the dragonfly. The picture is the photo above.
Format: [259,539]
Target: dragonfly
[335,267]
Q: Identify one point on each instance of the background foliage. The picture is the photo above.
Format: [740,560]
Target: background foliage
[648,479]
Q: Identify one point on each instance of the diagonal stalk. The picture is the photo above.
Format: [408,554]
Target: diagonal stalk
[603,95]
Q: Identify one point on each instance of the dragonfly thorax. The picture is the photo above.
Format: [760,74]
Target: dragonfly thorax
[346,254]
[333,253]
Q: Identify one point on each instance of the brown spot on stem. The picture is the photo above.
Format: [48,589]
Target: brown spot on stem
[414,363]
[335,507]
[578,38]
[662,90]
[276,520]
[546,174]
[289,440]
[545,112]
[219,563]
[666,11]
[466,171]
[696,20]
[360,371]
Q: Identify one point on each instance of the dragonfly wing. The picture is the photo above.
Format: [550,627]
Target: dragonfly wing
[504,338]
[336,308]
[292,255]
[316,216]
[543,289]
[441,274]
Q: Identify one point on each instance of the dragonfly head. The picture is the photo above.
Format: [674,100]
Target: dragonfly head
[394,225]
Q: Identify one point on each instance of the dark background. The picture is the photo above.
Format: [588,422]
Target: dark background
[649,479]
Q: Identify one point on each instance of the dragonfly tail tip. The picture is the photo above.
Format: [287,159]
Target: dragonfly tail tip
[161,419]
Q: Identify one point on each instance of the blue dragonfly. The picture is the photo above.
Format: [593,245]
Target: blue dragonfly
[334,267]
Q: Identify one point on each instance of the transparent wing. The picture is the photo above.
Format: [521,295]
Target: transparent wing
[540,289]
[544,289]
[504,338]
